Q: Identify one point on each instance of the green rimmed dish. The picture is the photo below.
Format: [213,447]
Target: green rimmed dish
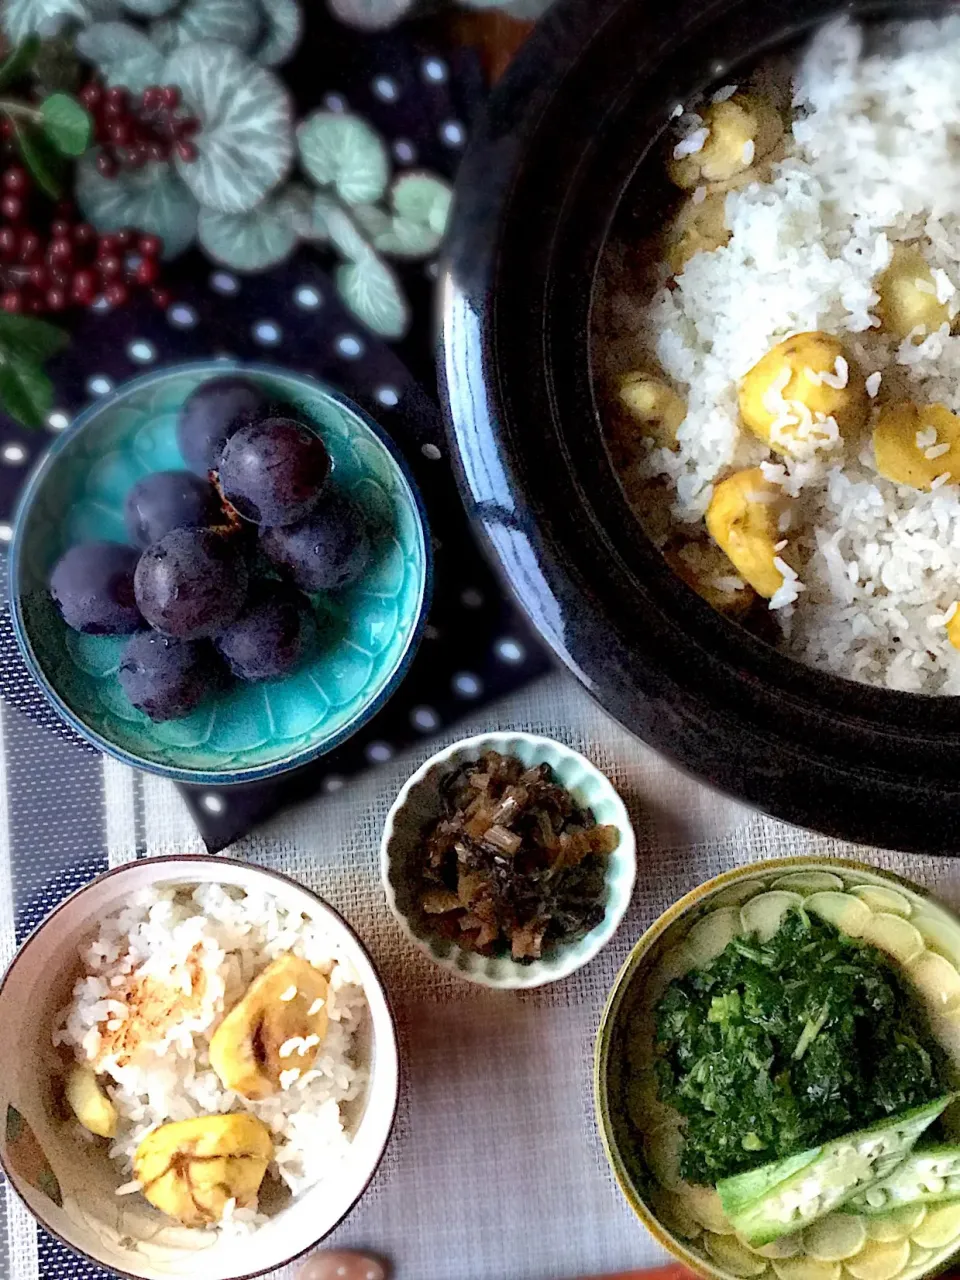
[641,1136]
[419,803]
[368,631]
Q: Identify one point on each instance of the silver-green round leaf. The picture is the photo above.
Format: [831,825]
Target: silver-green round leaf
[424,198]
[152,199]
[150,8]
[371,291]
[372,219]
[235,22]
[342,151]
[245,144]
[345,233]
[121,53]
[23,18]
[250,241]
[370,15]
[282,32]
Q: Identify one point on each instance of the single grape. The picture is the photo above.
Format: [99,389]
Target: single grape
[271,636]
[168,500]
[192,583]
[211,414]
[167,678]
[330,549]
[92,586]
[273,471]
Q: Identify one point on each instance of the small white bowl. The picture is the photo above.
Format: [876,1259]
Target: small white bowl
[418,804]
[126,1234]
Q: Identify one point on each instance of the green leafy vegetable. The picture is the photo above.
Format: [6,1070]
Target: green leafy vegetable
[41,158]
[777,1047]
[18,63]
[25,390]
[66,124]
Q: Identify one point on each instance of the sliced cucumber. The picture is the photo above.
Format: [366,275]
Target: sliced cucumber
[936,979]
[735,895]
[940,1227]
[661,1148]
[710,935]
[879,1261]
[703,1205]
[925,1177]
[785,1247]
[844,912]
[809,882]
[835,1237]
[674,963]
[791,1194]
[764,914]
[674,1214]
[894,935]
[729,1253]
[803,1268]
[878,898]
[895,1224]
[939,935]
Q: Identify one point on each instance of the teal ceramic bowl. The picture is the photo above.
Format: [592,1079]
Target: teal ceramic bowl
[419,804]
[368,631]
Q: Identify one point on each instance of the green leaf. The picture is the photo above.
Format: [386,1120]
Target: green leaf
[150,8]
[405,238]
[245,144]
[41,159]
[32,339]
[424,198]
[342,151]
[344,232]
[152,198]
[371,291]
[235,22]
[66,123]
[122,54]
[283,20]
[25,390]
[19,62]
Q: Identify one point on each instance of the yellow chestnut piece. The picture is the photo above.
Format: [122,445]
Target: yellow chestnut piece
[908,298]
[741,131]
[189,1169]
[89,1102]
[743,520]
[914,444]
[654,406]
[953,627]
[699,227]
[277,1026]
[789,379]
[702,565]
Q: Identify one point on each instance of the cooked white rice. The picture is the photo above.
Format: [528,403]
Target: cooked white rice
[874,159]
[234,935]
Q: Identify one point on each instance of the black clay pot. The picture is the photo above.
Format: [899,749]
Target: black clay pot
[566,135]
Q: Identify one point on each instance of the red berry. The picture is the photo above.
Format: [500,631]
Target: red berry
[15,179]
[60,251]
[123,238]
[109,267]
[8,242]
[60,228]
[11,300]
[116,95]
[147,272]
[83,233]
[56,299]
[136,157]
[107,167]
[116,294]
[186,151]
[38,276]
[30,246]
[120,133]
[36,303]
[171,96]
[158,151]
[12,207]
[187,127]
[161,297]
[149,246]
[90,94]
[152,97]
[109,244]
[84,287]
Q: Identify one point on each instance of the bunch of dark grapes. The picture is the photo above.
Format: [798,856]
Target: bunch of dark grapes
[197,590]
[131,130]
[51,260]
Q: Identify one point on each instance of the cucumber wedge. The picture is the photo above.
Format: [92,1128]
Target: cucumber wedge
[764,914]
[835,1237]
[895,1224]
[710,935]
[877,1261]
[809,882]
[879,898]
[844,912]
[731,1255]
[790,1194]
[930,1176]
[940,1227]
[894,935]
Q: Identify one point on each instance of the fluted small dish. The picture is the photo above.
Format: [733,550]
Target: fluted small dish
[419,803]
[368,631]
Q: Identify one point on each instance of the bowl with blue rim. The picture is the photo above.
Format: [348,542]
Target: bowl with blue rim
[366,632]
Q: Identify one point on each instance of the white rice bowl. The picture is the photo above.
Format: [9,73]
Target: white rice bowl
[235,935]
[873,160]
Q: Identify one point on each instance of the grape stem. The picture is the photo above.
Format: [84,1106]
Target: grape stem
[19,109]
